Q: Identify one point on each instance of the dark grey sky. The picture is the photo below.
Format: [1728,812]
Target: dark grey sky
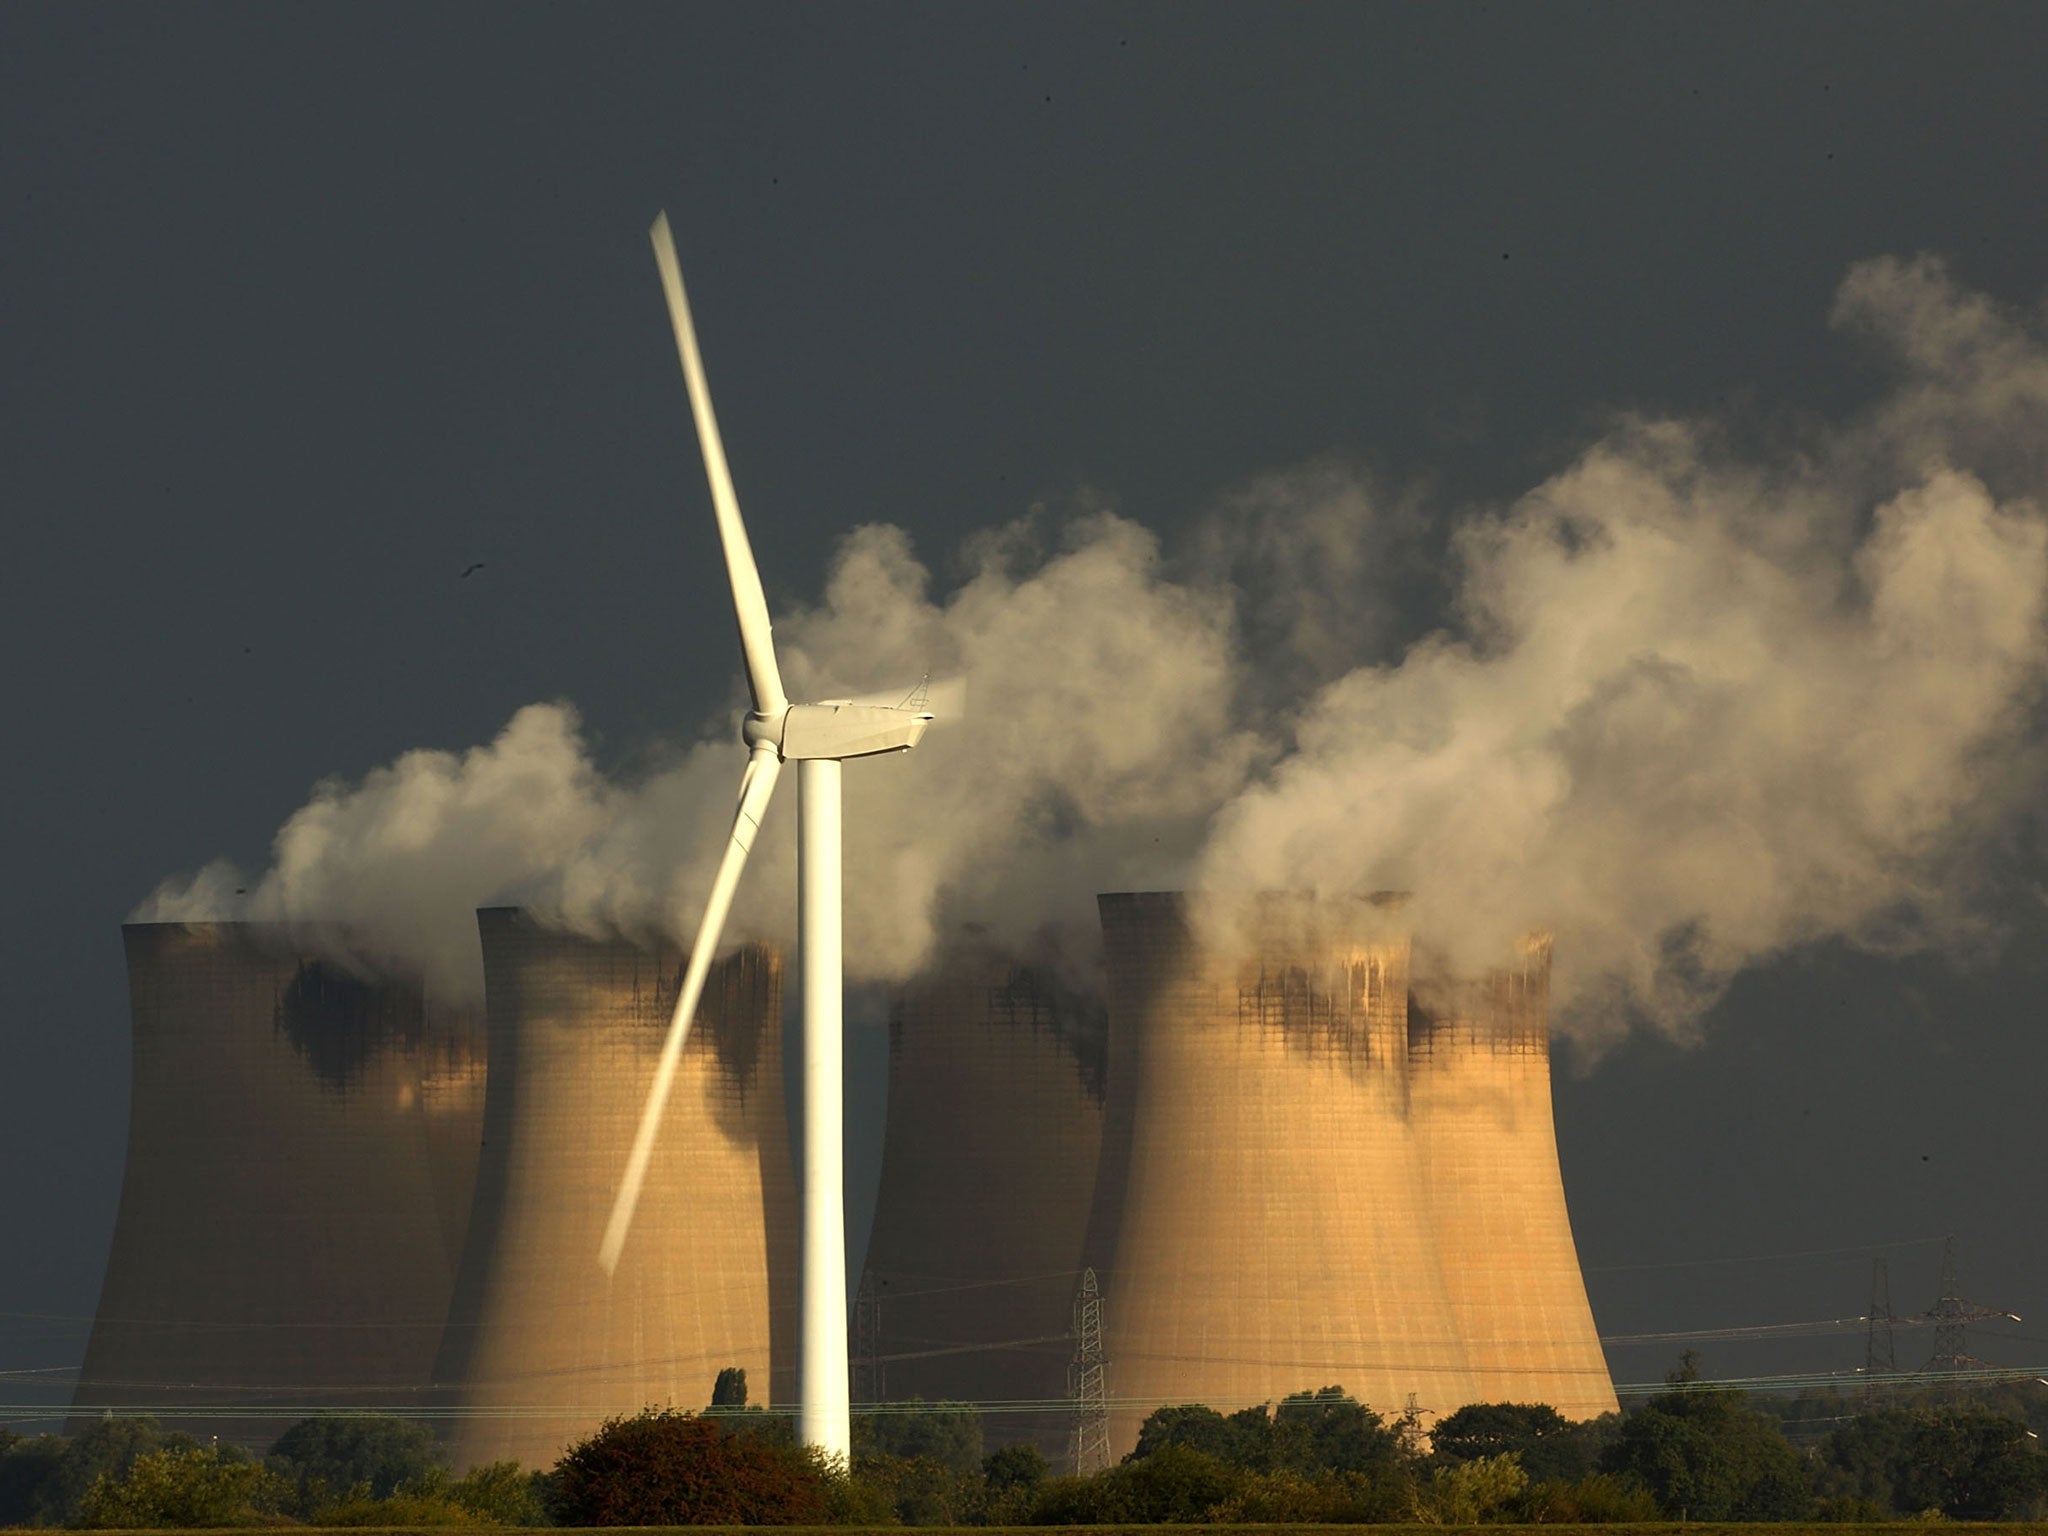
[305,310]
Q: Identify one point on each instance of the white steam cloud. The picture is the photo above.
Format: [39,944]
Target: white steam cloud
[1686,706]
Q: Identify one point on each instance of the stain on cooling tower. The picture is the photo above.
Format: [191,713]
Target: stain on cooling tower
[1328,975]
[742,996]
[338,1021]
[1035,998]
[1506,1009]
[1326,1011]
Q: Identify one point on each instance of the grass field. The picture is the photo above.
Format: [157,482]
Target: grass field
[1625,1528]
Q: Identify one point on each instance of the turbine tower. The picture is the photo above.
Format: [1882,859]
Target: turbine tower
[818,737]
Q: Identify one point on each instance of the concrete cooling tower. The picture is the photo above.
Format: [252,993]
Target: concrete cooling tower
[542,1346]
[988,1170]
[1273,1231]
[302,1146]
[1479,1094]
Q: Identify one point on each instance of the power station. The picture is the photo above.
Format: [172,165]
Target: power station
[1280,1151]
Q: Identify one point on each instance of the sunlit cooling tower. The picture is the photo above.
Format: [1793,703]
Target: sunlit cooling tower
[988,1170]
[1479,1092]
[1274,1233]
[302,1146]
[542,1345]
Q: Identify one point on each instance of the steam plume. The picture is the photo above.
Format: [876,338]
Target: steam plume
[1684,704]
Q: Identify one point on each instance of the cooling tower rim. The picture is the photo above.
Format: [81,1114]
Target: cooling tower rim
[1272,893]
[239,925]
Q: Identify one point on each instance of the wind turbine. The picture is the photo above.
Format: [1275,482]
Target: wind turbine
[818,737]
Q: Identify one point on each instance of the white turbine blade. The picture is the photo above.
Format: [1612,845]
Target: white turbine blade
[756,785]
[764,679]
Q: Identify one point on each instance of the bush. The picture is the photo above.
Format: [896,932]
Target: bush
[1598,1499]
[1175,1484]
[190,1487]
[1377,1497]
[916,1490]
[406,1509]
[662,1467]
[1467,1492]
[1847,1509]
[503,1493]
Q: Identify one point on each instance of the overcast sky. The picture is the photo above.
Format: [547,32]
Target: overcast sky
[305,311]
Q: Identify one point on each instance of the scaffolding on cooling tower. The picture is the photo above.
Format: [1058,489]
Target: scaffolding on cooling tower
[1088,1381]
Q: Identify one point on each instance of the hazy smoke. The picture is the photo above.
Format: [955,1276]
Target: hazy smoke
[1684,704]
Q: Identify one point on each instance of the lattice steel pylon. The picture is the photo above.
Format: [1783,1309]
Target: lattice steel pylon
[1880,1359]
[1088,1381]
[1951,1316]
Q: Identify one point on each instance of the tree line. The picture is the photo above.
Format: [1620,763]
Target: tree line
[1696,1452]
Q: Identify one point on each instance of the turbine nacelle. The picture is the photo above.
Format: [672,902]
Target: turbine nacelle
[837,729]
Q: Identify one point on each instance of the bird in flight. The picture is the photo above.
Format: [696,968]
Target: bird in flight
[471,571]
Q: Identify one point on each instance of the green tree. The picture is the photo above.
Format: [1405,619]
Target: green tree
[1868,1459]
[1322,1431]
[1331,1431]
[1015,1466]
[729,1406]
[1703,1454]
[337,1456]
[1238,1438]
[28,1473]
[1011,1477]
[947,1433]
[1551,1447]
[57,1473]
[188,1487]
[730,1390]
[1972,1464]
[662,1467]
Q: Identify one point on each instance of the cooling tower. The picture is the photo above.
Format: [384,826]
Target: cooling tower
[1479,1091]
[302,1145]
[1274,1233]
[542,1345]
[988,1170]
